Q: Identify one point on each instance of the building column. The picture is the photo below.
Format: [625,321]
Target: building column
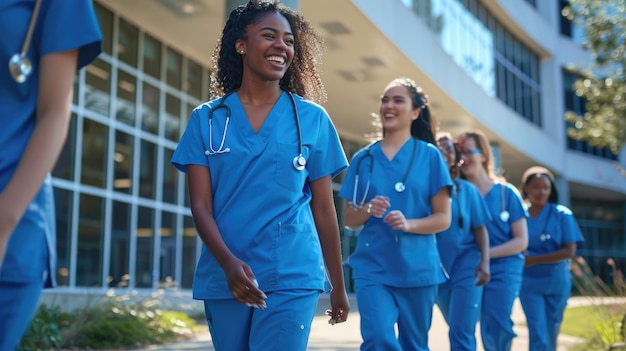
[232,4]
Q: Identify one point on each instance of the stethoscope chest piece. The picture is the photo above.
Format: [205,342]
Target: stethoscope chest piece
[504,216]
[299,162]
[400,187]
[20,67]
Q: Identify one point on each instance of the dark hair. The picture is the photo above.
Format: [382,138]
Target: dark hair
[302,76]
[528,177]
[423,128]
[455,170]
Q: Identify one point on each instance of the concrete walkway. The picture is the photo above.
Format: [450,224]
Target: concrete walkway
[346,336]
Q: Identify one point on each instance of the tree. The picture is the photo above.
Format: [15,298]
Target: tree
[603,83]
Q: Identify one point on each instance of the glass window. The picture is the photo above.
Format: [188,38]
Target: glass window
[145,248]
[151,56]
[90,241]
[127,44]
[147,169]
[63,210]
[94,156]
[123,162]
[172,117]
[174,68]
[98,87]
[119,275]
[195,75]
[105,18]
[126,98]
[170,178]
[64,167]
[150,110]
[167,261]
[189,252]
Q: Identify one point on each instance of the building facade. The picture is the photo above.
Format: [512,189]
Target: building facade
[123,216]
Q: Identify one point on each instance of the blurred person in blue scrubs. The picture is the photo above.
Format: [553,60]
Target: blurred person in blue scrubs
[464,251]
[508,238]
[260,161]
[553,235]
[398,189]
[42,45]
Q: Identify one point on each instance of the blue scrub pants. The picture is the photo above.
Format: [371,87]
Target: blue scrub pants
[496,326]
[284,325]
[381,307]
[18,303]
[459,300]
[544,314]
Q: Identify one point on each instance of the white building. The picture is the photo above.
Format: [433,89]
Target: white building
[498,65]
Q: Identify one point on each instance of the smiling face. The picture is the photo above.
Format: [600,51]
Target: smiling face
[538,190]
[472,158]
[396,109]
[267,48]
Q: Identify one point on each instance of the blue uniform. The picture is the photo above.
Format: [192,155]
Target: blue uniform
[396,273]
[30,259]
[261,205]
[496,326]
[546,287]
[459,298]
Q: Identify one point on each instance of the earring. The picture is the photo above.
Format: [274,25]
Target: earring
[241,52]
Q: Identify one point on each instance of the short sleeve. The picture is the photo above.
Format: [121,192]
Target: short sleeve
[440,175]
[190,148]
[348,184]
[478,208]
[327,156]
[571,230]
[68,25]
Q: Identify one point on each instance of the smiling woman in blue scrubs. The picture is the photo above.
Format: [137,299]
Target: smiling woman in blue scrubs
[35,113]
[508,237]
[552,238]
[398,188]
[260,186]
[464,251]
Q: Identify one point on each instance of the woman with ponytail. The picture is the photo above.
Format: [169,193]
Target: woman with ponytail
[398,189]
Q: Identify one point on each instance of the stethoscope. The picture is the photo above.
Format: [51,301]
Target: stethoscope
[504,214]
[399,186]
[299,162]
[544,235]
[19,65]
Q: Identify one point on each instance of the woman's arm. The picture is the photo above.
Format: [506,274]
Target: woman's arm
[325,217]
[238,274]
[437,222]
[56,83]
[517,244]
[564,253]
[483,272]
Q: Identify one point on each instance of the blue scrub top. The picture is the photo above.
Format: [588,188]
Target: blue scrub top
[554,226]
[460,241]
[62,25]
[388,256]
[503,197]
[260,201]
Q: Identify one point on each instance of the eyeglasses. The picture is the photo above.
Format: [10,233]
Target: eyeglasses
[466,152]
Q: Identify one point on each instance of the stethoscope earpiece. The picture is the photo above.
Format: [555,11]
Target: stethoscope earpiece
[20,67]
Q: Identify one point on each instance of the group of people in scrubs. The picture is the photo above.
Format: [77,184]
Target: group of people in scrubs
[438,227]
[42,44]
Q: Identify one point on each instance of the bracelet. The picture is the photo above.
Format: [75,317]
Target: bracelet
[369,208]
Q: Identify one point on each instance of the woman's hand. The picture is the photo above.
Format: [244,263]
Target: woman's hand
[483,273]
[340,307]
[397,221]
[378,206]
[242,283]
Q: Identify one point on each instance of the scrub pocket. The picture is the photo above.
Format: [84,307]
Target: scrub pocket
[292,336]
[286,174]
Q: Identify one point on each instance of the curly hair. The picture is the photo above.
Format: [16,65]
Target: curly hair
[423,128]
[302,76]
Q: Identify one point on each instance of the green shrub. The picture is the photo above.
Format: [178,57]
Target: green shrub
[117,322]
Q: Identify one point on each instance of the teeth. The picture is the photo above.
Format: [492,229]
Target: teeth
[276,59]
